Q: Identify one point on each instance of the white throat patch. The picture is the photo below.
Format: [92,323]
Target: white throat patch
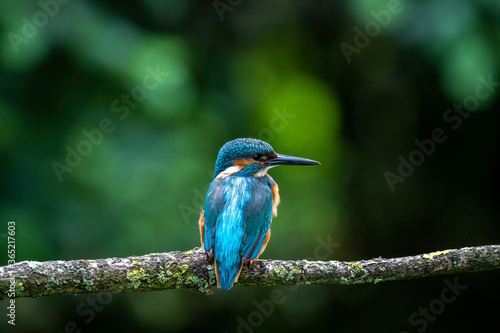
[263,172]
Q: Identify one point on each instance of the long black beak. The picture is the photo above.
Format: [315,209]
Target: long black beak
[290,160]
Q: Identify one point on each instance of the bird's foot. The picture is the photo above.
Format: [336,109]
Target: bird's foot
[249,262]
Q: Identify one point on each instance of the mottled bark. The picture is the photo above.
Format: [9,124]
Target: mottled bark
[194,270]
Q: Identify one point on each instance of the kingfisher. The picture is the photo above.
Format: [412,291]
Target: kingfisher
[235,222]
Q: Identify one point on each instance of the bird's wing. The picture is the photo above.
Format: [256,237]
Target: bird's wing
[214,204]
[257,216]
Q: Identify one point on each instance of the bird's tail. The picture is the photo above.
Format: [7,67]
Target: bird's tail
[227,274]
[228,238]
[228,261]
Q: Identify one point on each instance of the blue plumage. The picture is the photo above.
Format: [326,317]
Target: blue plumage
[241,201]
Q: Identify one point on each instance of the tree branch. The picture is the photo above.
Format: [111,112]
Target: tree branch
[194,270]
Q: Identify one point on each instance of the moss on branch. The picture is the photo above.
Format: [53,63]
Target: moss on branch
[194,270]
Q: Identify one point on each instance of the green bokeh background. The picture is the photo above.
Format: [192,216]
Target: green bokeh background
[273,70]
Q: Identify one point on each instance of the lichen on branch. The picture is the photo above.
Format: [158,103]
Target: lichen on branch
[194,270]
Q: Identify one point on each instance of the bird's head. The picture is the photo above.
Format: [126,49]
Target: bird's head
[251,157]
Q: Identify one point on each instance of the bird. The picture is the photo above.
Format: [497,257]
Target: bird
[242,199]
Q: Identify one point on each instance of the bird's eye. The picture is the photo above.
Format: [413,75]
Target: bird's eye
[259,157]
